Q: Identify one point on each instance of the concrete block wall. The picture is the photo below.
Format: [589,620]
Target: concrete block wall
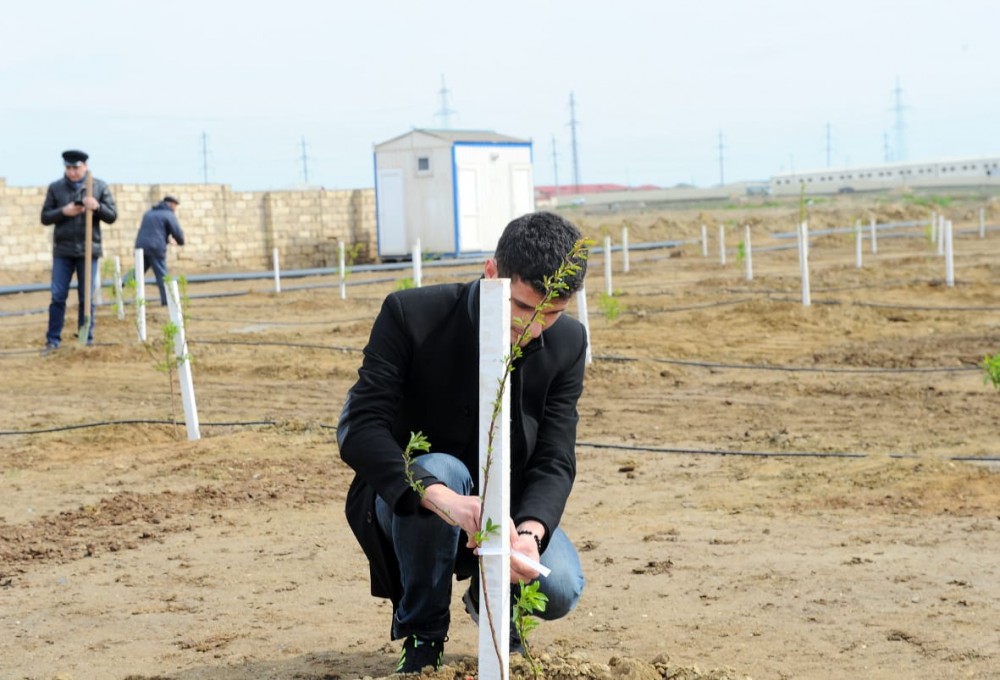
[225,230]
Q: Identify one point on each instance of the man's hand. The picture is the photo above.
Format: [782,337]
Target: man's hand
[526,545]
[72,209]
[454,508]
[91,203]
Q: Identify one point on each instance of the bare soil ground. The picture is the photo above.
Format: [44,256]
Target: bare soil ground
[765,490]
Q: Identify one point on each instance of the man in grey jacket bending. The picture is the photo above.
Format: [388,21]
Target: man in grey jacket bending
[158,226]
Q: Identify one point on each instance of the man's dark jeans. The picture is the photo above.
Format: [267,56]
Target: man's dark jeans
[63,269]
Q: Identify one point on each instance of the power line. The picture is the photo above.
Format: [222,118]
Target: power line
[555,164]
[204,157]
[722,171]
[573,122]
[900,126]
[829,145]
[445,112]
[305,162]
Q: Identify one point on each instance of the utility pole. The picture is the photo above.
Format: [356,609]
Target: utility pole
[900,154]
[573,122]
[445,111]
[555,164]
[305,162]
[885,147]
[829,145]
[722,164]
[204,157]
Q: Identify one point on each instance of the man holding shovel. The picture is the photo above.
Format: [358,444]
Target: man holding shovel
[76,204]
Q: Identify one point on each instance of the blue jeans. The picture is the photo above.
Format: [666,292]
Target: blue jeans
[428,552]
[63,269]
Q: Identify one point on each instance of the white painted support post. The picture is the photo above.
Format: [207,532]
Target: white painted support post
[341,262]
[418,265]
[277,270]
[625,263]
[749,251]
[608,288]
[99,287]
[183,362]
[140,294]
[940,236]
[722,245]
[804,263]
[704,241]
[874,238]
[581,301]
[982,223]
[949,256]
[494,588]
[119,301]
[934,223]
[859,238]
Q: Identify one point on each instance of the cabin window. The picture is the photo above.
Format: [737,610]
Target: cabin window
[423,165]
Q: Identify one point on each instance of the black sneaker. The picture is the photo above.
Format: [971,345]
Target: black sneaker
[418,653]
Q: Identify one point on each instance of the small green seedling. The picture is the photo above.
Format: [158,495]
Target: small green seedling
[529,601]
[405,283]
[610,306]
[991,364]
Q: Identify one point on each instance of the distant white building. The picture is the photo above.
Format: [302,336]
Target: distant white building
[455,190]
[983,171]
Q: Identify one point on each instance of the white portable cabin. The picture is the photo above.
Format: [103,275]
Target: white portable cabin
[455,190]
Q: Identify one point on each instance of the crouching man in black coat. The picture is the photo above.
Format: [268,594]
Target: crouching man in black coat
[421,373]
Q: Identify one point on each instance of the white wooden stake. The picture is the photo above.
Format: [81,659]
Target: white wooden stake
[494,346]
[99,288]
[940,236]
[581,301]
[277,270]
[607,267]
[874,238]
[804,260]
[749,251]
[341,261]
[722,245]
[418,265]
[704,241]
[949,256]
[934,222]
[140,293]
[625,263]
[859,238]
[982,223]
[119,301]
[183,362]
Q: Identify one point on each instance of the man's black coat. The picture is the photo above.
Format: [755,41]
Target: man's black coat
[421,373]
[69,237]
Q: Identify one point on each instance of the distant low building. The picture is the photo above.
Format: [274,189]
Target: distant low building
[454,190]
[982,171]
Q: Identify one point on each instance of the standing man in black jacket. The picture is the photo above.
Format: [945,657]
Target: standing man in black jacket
[65,207]
[158,226]
[420,373]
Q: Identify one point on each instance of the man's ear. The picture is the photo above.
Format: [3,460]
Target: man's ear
[490,271]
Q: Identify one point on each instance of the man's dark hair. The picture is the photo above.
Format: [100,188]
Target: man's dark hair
[533,246]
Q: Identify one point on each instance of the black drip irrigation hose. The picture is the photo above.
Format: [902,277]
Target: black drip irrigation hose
[137,421]
[788,369]
[301,345]
[992,458]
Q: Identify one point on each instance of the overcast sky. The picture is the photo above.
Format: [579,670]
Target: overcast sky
[146,87]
